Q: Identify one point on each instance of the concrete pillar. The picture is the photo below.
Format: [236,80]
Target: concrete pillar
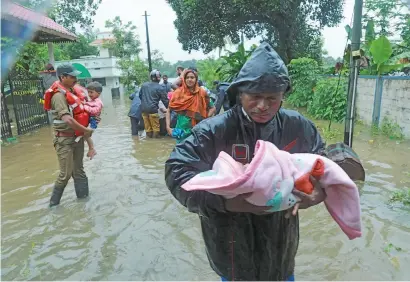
[51,53]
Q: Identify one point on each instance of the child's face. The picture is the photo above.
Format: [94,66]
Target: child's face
[93,94]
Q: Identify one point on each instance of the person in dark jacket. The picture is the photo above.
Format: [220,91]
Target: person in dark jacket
[137,123]
[222,96]
[166,83]
[243,241]
[150,94]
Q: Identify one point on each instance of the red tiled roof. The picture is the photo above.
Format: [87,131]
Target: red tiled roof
[101,41]
[44,23]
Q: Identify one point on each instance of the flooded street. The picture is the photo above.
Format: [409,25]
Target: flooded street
[131,228]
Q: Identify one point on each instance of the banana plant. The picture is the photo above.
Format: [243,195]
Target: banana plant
[233,62]
[382,60]
[381,53]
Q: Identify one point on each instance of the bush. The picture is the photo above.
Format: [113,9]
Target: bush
[304,74]
[389,129]
[329,100]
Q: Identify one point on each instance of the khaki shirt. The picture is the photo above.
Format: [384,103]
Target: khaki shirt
[60,108]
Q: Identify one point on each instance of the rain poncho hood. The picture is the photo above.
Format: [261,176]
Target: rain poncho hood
[264,72]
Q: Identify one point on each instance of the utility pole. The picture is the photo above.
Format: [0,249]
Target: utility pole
[148,47]
[354,72]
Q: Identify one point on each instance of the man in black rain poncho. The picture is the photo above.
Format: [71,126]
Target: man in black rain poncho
[243,241]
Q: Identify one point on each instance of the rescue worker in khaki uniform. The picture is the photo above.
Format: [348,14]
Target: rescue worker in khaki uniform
[70,152]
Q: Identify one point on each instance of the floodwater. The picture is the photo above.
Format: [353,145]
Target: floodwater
[131,228]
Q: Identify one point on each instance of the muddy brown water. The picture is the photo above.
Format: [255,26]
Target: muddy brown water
[131,228]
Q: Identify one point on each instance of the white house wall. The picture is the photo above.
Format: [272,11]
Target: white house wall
[98,67]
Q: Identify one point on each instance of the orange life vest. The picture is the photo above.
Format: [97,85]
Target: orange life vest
[75,101]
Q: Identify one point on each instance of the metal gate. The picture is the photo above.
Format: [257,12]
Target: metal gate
[5,120]
[28,110]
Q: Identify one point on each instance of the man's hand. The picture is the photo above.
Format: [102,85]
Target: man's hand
[239,204]
[88,133]
[169,130]
[163,110]
[318,195]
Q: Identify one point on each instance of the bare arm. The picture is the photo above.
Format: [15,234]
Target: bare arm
[177,83]
[74,124]
[168,119]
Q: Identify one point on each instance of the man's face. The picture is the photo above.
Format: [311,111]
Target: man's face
[165,78]
[179,71]
[190,80]
[68,80]
[262,107]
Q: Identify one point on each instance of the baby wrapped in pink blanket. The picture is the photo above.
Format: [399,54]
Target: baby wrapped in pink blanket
[273,174]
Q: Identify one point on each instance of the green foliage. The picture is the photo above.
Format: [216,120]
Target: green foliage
[405,31]
[388,16]
[391,129]
[126,43]
[126,46]
[208,71]
[382,61]
[402,196]
[134,72]
[304,74]
[234,62]
[384,18]
[30,57]
[330,134]
[329,61]
[67,13]
[290,26]
[329,99]
[159,63]
[81,48]
[381,50]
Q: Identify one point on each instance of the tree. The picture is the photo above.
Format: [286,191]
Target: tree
[126,46]
[80,48]
[207,69]
[134,72]
[232,63]
[389,17]
[126,43]
[67,13]
[160,64]
[290,26]
[30,57]
[329,61]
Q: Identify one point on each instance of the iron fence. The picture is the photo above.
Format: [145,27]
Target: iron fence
[5,120]
[26,94]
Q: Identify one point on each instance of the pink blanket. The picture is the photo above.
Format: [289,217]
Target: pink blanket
[273,174]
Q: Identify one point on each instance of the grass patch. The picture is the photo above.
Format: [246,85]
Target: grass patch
[402,196]
[389,129]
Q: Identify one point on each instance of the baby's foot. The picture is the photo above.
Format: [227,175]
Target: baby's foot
[91,153]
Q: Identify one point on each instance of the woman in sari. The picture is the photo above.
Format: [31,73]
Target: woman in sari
[191,104]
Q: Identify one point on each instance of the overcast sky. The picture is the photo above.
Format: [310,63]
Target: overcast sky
[163,35]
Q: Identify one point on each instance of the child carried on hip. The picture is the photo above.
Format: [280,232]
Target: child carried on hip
[93,107]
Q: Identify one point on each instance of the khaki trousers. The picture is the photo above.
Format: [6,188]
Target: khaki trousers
[70,156]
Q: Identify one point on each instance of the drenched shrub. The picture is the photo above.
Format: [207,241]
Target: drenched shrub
[329,99]
[304,74]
